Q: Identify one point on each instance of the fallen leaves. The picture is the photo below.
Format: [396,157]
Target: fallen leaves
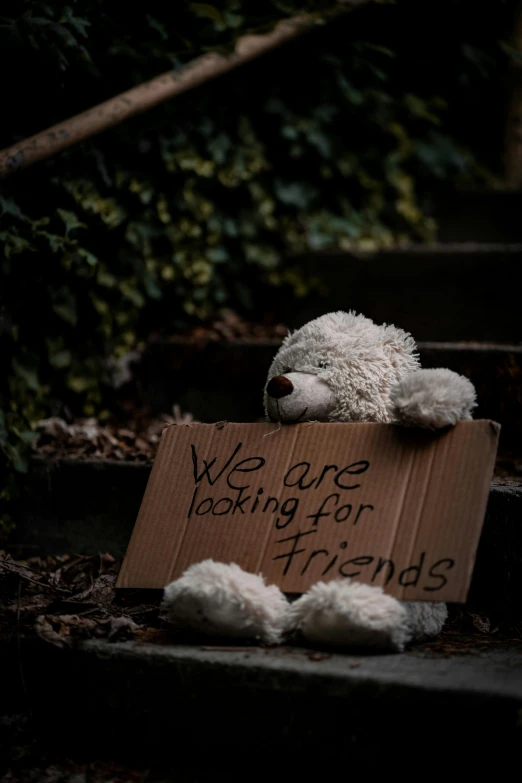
[230,327]
[63,599]
[138,440]
[316,655]
[45,631]
[29,766]
[101,591]
[480,622]
[89,439]
[63,630]
[471,632]
[121,628]
[11,570]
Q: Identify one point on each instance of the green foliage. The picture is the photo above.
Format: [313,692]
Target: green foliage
[327,143]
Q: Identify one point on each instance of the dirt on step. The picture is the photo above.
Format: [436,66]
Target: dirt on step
[62,599]
[137,441]
[229,327]
[91,439]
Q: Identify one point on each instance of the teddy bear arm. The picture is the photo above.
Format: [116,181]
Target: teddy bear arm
[432,398]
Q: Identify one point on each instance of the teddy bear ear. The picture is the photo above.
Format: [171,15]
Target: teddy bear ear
[401,348]
[398,339]
[287,338]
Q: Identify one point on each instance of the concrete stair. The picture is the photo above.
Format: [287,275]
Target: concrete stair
[225,380]
[218,712]
[478,215]
[454,291]
[236,713]
[463,294]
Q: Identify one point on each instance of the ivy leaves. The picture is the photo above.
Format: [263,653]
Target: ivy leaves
[196,204]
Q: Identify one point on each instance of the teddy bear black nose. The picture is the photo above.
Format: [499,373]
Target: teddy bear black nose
[279,386]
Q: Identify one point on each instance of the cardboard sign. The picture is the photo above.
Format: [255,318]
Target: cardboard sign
[385,505]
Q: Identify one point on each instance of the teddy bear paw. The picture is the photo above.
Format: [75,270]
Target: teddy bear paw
[219,599]
[432,398]
[349,614]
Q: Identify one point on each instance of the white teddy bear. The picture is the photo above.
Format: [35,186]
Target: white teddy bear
[339,367]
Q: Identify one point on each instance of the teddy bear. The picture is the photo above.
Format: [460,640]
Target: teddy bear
[339,367]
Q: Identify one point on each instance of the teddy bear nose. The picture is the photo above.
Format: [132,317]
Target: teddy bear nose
[279,386]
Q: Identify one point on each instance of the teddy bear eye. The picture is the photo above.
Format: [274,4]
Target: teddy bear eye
[323,365]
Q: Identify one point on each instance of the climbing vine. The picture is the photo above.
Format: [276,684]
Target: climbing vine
[334,141]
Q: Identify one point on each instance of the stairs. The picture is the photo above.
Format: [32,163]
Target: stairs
[479,215]
[459,299]
[249,713]
[452,292]
[225,380]
[234,712]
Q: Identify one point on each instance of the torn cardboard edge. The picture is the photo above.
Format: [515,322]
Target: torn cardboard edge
[381,504]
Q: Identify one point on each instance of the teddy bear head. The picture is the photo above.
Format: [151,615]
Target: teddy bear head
[339,367]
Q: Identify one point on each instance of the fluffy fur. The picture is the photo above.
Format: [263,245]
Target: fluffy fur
[359,361]
[342,367]
[425,619]
[343,613]
[311,400]
[432,399]
[217,599]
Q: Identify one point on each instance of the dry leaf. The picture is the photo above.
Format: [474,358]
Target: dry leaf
[46,632]
[482,624]
[122,627]
[101,591]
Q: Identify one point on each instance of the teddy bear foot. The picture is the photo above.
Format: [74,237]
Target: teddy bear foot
[217,599]
[343,613]
[425,619]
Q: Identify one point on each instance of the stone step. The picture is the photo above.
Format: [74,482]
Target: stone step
[225,380]
[88,506]
[478,216]
[238,712]
[463,291]
[496,372]
[212,380]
